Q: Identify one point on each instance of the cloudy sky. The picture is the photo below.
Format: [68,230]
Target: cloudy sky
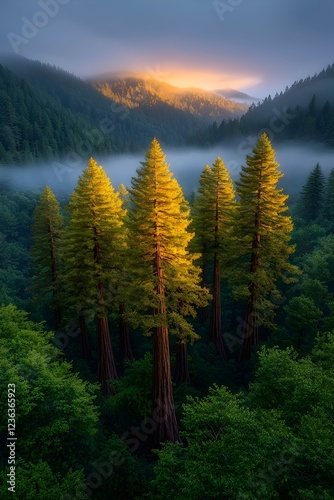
[257,46]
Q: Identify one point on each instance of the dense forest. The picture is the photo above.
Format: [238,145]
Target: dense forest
[36,126]
[147,92]
[46,113]
[170,348]
[304,111]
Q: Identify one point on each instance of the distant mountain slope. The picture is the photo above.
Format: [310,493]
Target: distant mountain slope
[105,118]
[142,93]
[34,125]
[66,114]
[237,96]
[304,111]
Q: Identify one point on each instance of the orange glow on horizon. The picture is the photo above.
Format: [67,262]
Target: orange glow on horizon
[203,80]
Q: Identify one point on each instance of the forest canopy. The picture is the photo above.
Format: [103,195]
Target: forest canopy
[170,348]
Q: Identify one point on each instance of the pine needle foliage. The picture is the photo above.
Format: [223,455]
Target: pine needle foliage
[263,233]
[45,252]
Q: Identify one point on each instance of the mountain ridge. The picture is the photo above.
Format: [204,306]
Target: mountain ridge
[304,111]
[237,96]
[134,91]
[106,125]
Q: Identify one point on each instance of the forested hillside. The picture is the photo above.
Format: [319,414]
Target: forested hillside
[304,111]
[35,125]
[46,113]
[150,93]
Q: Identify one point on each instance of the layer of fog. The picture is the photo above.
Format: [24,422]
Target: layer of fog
[296,161]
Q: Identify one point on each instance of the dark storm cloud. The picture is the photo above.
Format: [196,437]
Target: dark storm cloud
[275,41]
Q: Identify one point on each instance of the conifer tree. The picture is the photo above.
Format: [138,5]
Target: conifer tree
[200,242]
[124,335]
[165,279]
[213,215]
[93,245]
[263,235]
[311,197]
[328,206]
[46,232]
[181,373]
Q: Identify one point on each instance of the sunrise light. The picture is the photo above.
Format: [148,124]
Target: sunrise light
[200,79]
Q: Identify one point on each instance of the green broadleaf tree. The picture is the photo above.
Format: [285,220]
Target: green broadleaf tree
[56,413]
[93,244]
[213,215]
[46,233]
[302,318]
[263,235]
[165,279]
[283,425]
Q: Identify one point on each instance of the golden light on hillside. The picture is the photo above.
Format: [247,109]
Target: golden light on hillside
[204,80]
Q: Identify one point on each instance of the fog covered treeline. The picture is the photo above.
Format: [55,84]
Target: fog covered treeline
[46,113]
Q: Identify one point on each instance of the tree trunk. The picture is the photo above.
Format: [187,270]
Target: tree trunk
[106,369]
[251,323]
[250,331]
[203,311]
[215,330]
[85,349]
[181,373]
[125,344]
[57,315]
[166,428]
[55,281]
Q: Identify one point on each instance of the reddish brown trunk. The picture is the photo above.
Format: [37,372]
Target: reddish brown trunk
[106,369]
[85,349]
[166,428]
[181,373]
[251,323]
[215,333]
[125,344]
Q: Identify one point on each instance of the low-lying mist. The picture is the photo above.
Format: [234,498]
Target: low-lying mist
[296,161]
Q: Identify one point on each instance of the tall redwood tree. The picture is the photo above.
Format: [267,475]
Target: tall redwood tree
[213,215]
[263,233]
[165,280]
[94,242]
[46,234]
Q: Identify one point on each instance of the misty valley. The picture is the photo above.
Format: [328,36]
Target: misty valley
[166,289]
[296,161]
